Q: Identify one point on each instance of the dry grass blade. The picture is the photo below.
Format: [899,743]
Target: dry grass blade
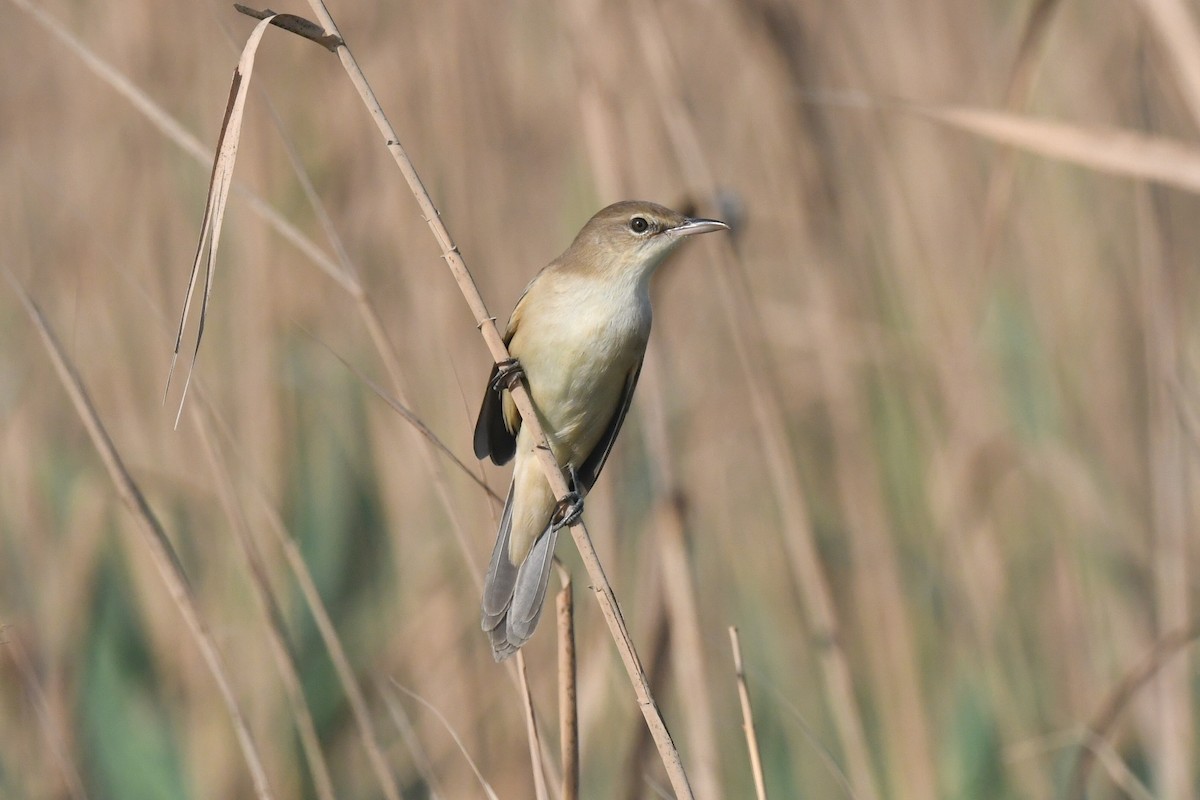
[1101,723]
[154,537]
[568,708]
[760,786]
[487,787]
[214,207]
[1111,150]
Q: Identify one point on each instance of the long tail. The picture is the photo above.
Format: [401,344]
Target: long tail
[513,595]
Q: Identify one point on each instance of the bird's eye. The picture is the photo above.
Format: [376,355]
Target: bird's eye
[639,225]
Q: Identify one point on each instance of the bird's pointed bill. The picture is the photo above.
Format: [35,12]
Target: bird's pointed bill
[693,226]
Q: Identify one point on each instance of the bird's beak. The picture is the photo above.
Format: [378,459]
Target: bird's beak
[692,226]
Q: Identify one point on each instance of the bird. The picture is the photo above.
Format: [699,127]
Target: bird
[577,335]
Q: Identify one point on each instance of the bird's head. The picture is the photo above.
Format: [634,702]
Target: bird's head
[632,237]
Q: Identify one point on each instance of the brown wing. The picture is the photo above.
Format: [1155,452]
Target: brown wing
[492,436]
[590,470]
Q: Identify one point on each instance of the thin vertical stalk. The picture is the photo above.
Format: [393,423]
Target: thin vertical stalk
[760,784]
[568,709]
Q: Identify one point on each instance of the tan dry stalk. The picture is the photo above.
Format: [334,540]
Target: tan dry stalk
[760,784]
[495,345]
[531,732]
[154,538]
[219,186]
[568,709]
[424,430]
[272,619]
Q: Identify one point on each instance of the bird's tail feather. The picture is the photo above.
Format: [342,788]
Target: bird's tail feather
[513,595]
[502,573]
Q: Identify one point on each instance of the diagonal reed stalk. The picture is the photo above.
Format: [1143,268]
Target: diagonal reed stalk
[495,344]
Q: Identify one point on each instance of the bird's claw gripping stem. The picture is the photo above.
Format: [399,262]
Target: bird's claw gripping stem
[508,372]
[570,508]
[568,511]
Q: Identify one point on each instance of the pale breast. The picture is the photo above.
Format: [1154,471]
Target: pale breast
[578,341]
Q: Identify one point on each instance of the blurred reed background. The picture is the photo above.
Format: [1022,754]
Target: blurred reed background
[924,428]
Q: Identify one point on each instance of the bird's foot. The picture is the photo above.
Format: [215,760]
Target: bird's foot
[568,511]
[508,372]
[570,508]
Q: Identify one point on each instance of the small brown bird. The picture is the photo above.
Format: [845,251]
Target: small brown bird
[578,334]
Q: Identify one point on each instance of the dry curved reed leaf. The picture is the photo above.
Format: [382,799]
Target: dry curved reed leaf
[214,208]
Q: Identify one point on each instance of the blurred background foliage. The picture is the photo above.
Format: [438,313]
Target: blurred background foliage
[965,374]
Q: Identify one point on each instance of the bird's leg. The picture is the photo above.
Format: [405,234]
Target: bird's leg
[570,508]
[508,372]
